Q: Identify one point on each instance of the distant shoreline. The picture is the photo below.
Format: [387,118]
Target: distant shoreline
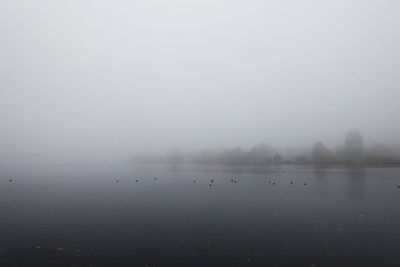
[338,164]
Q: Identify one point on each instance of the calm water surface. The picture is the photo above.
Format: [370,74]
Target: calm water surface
[74,215]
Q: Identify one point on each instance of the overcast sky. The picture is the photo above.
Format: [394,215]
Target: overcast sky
[100,80]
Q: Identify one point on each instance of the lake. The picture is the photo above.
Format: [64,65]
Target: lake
[120,215]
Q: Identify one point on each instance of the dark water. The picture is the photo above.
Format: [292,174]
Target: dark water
[80,216]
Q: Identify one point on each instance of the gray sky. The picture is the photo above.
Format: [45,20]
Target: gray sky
[100,80]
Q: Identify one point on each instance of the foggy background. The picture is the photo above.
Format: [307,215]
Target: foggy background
[96,81]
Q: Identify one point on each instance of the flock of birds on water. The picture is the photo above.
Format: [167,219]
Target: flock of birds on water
[231,180]
[211,182]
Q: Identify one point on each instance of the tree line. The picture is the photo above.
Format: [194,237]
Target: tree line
[352,151]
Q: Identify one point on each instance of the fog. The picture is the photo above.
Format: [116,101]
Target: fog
[97,81]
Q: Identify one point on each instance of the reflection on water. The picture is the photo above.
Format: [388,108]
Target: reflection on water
[320,173]
[273,216]
[356,183]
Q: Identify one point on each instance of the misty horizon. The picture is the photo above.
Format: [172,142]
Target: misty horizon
[94,83]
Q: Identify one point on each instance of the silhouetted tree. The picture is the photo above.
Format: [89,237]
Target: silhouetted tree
[354,146]
[261,153]
[321,154]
